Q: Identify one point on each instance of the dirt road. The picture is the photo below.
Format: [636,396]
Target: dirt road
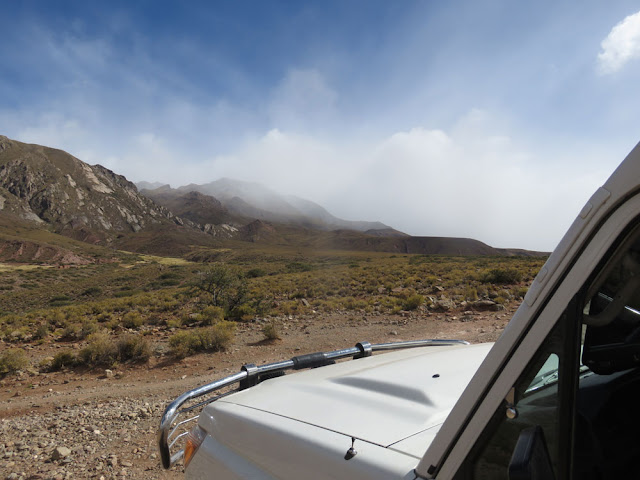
[98,424]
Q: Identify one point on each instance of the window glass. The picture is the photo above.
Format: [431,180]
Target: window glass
[535,402]
[585,400]
[607,418]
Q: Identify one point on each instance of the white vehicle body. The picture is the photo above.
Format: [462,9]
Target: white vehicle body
[552,397]
[391,404]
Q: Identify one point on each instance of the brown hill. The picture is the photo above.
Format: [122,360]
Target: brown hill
[347,240]
[23,241]
[24,251]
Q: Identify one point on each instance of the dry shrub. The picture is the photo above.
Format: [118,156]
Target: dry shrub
[133,348]
[212,339]
[66,358]
[504,276]
[101,351]
[412,302]
[212,314]
[271,331]
[132,320]
[12,361]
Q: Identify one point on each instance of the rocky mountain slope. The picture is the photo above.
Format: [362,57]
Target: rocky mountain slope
[52,188]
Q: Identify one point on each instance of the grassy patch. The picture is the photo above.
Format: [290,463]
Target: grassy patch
[164,260]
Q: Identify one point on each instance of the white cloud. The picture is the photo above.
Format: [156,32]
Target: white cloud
[302,99]
[621,45]
[469,181]
[50,129]
[475,179]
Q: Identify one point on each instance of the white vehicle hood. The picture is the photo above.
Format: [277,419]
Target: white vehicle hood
[383,399]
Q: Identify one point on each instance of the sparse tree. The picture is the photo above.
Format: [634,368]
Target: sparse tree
[223,286]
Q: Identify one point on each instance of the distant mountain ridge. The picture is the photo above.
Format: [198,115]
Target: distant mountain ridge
[253,201]
[50,199]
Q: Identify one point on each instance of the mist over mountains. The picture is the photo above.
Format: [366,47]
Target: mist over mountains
[48,190]
[236,201]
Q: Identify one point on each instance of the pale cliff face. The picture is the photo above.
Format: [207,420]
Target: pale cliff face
[47,185]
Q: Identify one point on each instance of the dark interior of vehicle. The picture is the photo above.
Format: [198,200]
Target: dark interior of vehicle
[608,420]
[606,431]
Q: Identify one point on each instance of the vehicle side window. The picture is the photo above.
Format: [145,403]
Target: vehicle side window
[582,386]
[533,401]
[607,419]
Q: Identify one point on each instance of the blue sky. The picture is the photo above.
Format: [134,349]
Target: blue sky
[486,119]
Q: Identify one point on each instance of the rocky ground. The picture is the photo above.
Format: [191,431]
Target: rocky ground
[102,424]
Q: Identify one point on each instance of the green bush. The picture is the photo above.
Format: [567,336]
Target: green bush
[190,319]
[500,300]
[242,312]
[183,344]
[470,294]
[224,286]
[71,331]
[211,315]
[60,298]
[261,304]
[255,273]
[174,322]
[519,292]
[126,293]
[42,331]
[87,327]
[218,337]
[12,361]
[91,292]
[56,319]
[296,267]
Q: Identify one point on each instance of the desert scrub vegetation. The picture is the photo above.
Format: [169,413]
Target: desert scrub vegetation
[221,285]
[271,331]
[205,339]
[412,302]
[12,360]
[103,350]
[194,302]
[63,359]
[502,276]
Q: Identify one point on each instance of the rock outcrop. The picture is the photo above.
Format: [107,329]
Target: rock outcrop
[87,202]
